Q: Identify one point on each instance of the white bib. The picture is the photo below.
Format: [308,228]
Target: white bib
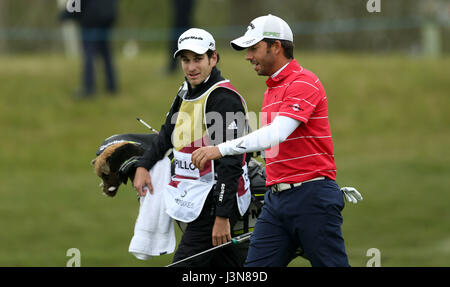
[185,202]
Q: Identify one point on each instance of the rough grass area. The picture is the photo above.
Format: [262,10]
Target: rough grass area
[390,122]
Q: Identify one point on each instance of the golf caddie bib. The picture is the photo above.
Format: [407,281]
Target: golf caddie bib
[189,187]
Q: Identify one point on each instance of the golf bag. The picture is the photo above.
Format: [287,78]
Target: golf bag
[116,163]
[117,157]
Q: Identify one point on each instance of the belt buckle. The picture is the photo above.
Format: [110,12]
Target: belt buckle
[274,188]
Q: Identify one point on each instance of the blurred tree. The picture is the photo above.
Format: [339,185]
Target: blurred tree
[3,21]
[242,12]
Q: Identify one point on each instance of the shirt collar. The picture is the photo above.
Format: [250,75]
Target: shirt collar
[283,73]
[281,69]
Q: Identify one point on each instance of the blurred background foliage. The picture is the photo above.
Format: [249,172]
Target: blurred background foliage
[322,24]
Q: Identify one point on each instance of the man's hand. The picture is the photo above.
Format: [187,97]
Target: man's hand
[202,155]
[142,181]
[351,194]
[221,231]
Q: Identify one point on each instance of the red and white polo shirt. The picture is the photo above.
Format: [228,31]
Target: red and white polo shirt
[308,152]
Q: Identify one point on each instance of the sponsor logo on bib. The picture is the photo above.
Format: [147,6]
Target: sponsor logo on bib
[184,165]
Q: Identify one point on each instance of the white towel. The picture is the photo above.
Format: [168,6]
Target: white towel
[154,232]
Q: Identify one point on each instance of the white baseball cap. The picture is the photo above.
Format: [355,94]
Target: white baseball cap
[196,40]
[268,26]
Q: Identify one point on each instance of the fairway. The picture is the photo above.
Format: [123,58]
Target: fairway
[389,116]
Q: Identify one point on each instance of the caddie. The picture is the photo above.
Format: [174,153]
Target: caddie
[303,207]
[207,110]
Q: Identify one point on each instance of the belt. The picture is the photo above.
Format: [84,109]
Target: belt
[279,187]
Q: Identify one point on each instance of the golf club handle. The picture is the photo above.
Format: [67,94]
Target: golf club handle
[241,238]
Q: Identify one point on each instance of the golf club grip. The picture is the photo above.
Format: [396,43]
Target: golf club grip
[241,238]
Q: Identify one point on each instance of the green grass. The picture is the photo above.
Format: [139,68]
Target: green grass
[389,118]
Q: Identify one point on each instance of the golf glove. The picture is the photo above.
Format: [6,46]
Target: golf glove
[351,194]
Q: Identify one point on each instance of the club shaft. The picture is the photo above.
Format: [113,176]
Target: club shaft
[235,240]
[199,254]
[147,125]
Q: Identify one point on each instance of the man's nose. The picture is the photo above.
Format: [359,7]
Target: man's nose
[191,66]
[248,56]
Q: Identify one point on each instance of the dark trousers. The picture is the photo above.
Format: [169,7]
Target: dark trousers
[197,238]
[95,42]
[306,217]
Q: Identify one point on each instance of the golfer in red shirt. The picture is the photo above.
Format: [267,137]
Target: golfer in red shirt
[304,204]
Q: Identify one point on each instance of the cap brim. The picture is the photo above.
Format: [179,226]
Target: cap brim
[244,42]
[196,49]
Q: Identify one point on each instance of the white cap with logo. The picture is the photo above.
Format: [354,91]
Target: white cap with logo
[196,40]
[268,26]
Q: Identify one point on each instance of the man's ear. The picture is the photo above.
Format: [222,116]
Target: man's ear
[277,47]
[213,59]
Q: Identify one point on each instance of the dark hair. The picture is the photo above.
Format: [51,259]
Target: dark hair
[210,53]
[288,46]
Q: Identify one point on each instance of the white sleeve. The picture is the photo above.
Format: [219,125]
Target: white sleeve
[261,139]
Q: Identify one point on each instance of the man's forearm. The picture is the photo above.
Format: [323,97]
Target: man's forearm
[261,139]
